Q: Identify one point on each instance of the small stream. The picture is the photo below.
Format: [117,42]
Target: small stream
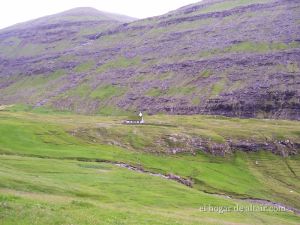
[184,181]
[189,183]
[181,180]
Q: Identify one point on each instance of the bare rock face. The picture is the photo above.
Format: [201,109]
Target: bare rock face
[239,60]
[192,145]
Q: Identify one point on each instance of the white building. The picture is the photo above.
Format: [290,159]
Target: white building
[140,120]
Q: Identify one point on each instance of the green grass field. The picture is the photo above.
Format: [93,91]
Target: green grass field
[59,169]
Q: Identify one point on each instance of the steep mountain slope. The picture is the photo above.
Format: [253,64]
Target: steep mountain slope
[80,14]
[56,33]
[234,58]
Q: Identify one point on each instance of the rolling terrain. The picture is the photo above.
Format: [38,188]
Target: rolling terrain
[219,85]
[68,169]
[233,58]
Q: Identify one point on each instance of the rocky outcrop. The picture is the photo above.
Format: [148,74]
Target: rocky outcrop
[183,143]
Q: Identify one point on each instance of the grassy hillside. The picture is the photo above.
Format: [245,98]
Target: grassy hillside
[49,174]
[234,58]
